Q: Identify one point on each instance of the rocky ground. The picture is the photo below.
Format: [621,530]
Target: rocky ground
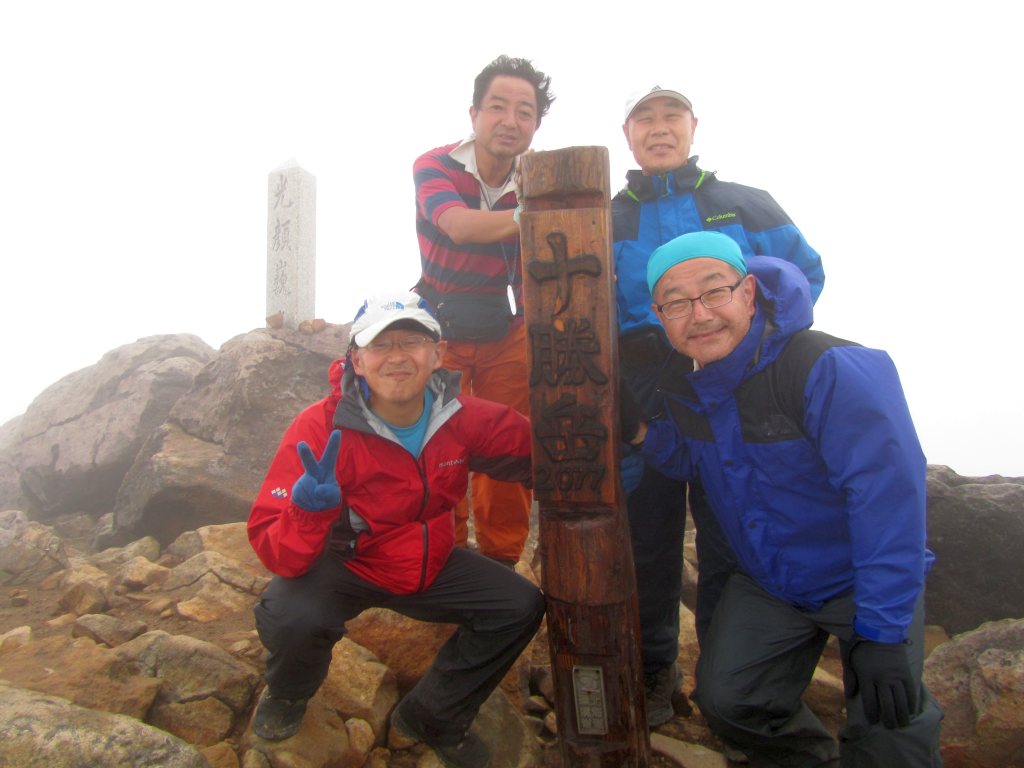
[121,631]
[137,632]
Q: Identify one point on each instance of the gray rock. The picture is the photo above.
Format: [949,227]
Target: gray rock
[976,530]
[32,554]
[227,570]
[206,465]
[139,573]
[76,526]
[146,547]
[101,628]
[103,534]
[78,438]
[179,483]
[510,738]
[112,558]
[978,678]
[245,399]
[230,540]
[12,523]
[42,731]
[190,669]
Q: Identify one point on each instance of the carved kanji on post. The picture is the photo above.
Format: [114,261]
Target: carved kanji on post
[572,353]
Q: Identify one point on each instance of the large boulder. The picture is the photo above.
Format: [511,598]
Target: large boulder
[204,688]
[206,465]
[78,438]
[978,678]
[408,647]
[178,483]
[359,686]
[44,731]
[976,530]
[82,672]
[31,553]
[231,540]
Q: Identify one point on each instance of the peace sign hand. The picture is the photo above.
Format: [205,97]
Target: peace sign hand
[317,490]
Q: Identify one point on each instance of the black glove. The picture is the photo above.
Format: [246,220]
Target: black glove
[881,672]
[630,412]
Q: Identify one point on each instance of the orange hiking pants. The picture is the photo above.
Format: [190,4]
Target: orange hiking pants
[494,371]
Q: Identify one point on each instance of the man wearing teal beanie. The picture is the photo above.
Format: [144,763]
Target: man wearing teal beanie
[670,195]
[815,478]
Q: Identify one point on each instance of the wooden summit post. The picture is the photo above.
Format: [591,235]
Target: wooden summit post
[572,354]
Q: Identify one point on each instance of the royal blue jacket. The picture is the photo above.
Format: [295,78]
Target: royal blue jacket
[652,210]
[805,446]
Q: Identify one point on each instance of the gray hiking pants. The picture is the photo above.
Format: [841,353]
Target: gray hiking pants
[758,657]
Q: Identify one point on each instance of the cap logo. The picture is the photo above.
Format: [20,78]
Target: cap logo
[392,305]
[655,88]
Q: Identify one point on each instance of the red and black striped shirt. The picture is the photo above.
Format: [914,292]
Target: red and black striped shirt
[442,182]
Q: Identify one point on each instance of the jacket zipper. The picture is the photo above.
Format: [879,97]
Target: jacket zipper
[423,510]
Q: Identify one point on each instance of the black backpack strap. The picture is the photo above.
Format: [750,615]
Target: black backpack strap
[771,402]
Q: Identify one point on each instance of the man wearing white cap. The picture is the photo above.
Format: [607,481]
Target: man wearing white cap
[669,196]
[370,524]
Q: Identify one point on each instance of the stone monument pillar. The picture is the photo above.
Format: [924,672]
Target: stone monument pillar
[291,243]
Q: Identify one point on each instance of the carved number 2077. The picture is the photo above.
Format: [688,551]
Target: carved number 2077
[569,477]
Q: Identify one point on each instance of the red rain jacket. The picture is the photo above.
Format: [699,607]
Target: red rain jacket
[407,501]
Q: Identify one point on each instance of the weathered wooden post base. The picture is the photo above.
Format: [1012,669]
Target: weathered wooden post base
[592,644]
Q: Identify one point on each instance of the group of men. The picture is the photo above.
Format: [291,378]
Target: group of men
[795,449]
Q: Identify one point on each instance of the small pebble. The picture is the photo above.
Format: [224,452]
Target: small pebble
[166,614]
[19,601]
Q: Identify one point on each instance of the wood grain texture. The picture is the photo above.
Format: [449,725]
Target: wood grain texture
[566,172]
[572,357]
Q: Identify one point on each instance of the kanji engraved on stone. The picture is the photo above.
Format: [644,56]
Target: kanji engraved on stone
[563,352]
[562,268]
[570,431]
[282,235]
[279,190]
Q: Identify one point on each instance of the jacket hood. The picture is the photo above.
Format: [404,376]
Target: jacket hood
[785,294]
[784,307]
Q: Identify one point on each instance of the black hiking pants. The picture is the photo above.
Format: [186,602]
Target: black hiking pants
[498,612]
[757,658]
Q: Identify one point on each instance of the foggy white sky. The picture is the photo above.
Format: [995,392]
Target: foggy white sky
[137,139]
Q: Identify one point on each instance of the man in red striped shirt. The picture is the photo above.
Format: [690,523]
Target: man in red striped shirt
[466,223]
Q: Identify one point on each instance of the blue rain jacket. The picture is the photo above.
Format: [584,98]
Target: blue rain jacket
[805,446]
[652,210]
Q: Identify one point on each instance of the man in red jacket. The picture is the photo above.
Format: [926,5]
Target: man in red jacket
[371,525]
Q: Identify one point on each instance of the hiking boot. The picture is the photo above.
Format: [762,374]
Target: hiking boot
[277,719]
[471,752]
[660,686]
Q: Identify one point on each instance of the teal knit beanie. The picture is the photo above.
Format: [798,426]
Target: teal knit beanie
[695,245]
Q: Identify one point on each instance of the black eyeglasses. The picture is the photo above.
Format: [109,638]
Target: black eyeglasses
[716,297]
[407,344]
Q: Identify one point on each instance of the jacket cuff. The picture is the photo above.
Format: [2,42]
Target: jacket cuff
[888,635]
[649,447]
[312,518]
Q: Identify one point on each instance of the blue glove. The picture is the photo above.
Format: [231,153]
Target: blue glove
[632,469]
[317,490]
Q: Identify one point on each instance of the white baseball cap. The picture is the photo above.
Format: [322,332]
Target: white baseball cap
[378,312]
[636,98]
